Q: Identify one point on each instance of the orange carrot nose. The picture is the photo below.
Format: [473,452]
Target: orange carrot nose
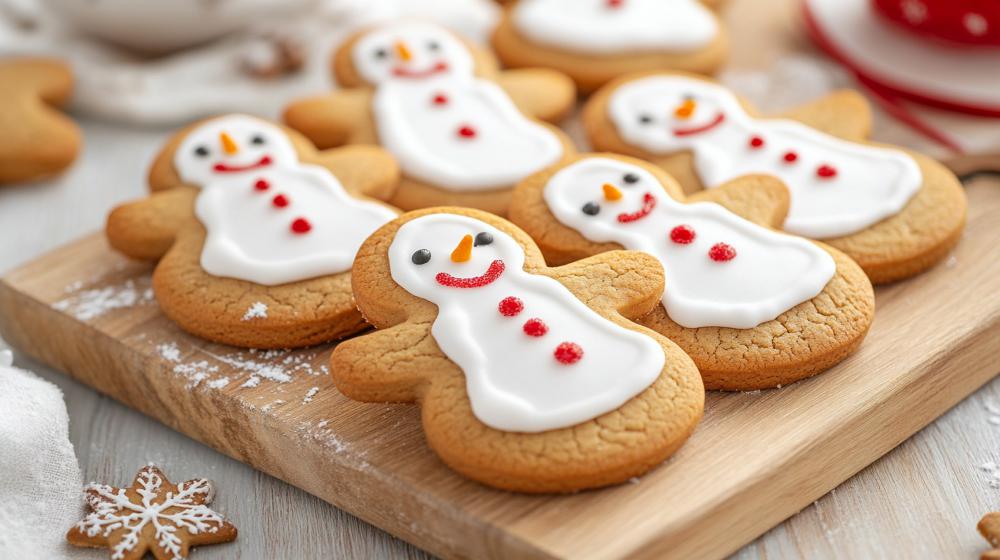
[463,252]
[403,51]
[611,192]
[228,144]
[685,109]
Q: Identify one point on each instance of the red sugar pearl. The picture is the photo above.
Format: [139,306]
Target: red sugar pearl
[535,327]
[466,131]
[826,171]
[682,234]
[301,225]
[261,185]
[615,3]
[440,99]
[790,157]
[510,306]
[280,200]
[756,142]
[568,353]
[721,252]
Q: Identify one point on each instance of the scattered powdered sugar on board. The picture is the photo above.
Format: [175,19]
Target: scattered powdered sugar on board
[169,352]
[267,407]
[309,395]
[256,311]
[196,372]
[992,471]
[90,304]
[218,383]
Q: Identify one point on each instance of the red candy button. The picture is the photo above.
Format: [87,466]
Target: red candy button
[467,131]
[568,353]
[301,225]
[261,185]
[535,327]
[280,200]
[791,157]
[756,142]
[682,234]
[826,171]
[510,306]
[440,99]
[721,252]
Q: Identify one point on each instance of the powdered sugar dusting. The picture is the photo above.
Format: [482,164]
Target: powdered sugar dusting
[309,395]
[218,383]
[90,304]
[169,352]
[256,311]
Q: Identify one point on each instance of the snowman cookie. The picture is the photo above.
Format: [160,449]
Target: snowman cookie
[463,133]
[595,41]
[255,231]
[754,308]
[893,211]
[38,140]
[530,378]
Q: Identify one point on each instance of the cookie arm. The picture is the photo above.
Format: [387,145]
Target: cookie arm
[762,199]
[387,365]
[544,94]
[145,229]
[845,114]
[330,120]
[364,170]
[629,282]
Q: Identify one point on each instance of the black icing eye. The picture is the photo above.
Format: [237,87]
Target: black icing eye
[201,151]
[630,178]
[422,256]
[645,119]
[483,238]
[381,53]
[591,208]
[258,140]
[434,46]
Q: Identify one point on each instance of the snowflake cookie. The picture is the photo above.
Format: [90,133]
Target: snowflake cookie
[151,515]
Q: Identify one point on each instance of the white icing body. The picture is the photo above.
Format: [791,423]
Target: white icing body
[444,126]
[595,27]
[251,209]
[513,380]
[870,184]
[770,274]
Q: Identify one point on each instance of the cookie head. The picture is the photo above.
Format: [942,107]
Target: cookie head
[410,51]
[669,111]
[441,256]
[603,195]
[231,145]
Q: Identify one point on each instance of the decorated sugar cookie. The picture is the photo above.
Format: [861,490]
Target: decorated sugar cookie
[38,140]
[506,355]
[895,212]
[252,216]
[595,41]
[754,308]
[462,132]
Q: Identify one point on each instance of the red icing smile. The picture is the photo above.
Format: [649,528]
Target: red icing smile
[407,73]
[699,129]
[492,273]
[224,168]
[648,203]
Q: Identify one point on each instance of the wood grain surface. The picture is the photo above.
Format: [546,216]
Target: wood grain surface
[920,501]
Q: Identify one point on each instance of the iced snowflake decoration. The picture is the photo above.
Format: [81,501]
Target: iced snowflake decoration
[152,515]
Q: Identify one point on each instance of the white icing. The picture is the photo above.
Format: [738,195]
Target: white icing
[513,380]
[597,27]
[424,135]
[249,237]
[770,274]
[377,57]
[871,183]
[905,60]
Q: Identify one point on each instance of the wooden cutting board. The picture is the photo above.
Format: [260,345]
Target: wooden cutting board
[756,459]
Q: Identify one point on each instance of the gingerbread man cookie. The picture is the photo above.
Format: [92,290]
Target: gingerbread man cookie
[595,41]
[37,140]
[152,515]
[463,132]
[530,378]
[754,308]
[255,231]
[893,211]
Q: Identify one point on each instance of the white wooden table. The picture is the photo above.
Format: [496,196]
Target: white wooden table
[920,501]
